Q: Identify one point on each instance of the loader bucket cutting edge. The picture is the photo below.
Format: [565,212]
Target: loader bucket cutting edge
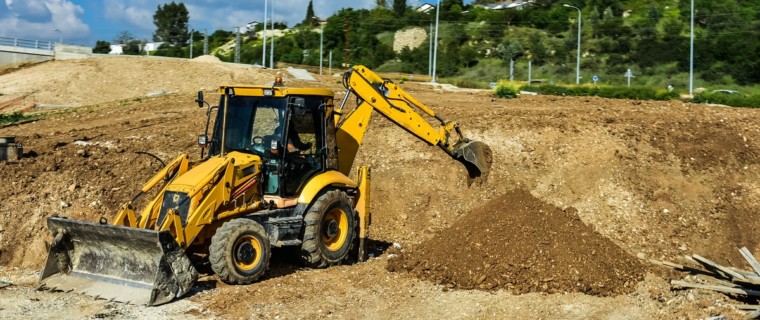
[131,265]
[477,158]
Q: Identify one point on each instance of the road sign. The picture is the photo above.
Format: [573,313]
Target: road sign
[595,78]
[629,75]
[492,84]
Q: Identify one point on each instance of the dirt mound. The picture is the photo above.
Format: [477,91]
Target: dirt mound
[207,58]
[520,243]
[98,80]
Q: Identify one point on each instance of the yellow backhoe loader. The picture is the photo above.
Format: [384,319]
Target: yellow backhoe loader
[275,175]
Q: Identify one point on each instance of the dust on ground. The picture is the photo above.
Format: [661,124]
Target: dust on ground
[655,179]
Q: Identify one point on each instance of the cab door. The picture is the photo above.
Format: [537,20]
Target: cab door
[304,151]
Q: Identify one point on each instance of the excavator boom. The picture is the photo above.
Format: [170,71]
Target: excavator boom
[386,97]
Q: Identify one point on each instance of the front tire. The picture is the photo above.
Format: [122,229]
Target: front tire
[239,252]
[330,229]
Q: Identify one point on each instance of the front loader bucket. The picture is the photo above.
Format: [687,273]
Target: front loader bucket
[130,265]
[476,157]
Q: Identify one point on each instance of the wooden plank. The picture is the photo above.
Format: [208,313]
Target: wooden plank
[712,265]
[747,282]
[746,306]
[751,259]
[716,273]
[684,268]
[724,289]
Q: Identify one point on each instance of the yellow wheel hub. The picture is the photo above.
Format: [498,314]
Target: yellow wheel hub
[335,229]
[247,252]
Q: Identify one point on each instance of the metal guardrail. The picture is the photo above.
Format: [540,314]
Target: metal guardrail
[24,43]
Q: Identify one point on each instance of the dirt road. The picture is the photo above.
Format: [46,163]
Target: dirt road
[582,190]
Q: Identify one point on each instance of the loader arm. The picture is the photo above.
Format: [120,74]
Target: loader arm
[377,94]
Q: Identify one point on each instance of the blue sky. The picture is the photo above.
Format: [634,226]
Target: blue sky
[83,22]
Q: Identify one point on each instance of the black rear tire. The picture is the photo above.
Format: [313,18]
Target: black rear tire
[239,252]
[329,230]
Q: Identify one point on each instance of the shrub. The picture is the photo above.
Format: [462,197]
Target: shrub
[614,92]
[10,118]
[506,90]
[734,100]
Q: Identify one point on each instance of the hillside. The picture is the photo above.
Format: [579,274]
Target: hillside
[476,44]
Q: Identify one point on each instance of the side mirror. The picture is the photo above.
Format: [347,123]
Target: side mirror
[199,100]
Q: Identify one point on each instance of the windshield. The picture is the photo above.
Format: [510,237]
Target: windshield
[252,124]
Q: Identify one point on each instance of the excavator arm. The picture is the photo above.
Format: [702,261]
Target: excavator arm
[377,94]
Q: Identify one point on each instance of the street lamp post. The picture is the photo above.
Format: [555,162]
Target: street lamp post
[578,59]
[435,46]
[321,42]
[60,35]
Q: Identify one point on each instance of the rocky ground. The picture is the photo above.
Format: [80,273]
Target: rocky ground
[582,191]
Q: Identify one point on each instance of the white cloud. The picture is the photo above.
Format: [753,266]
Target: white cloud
[136,13]
[29,10]
[61,14]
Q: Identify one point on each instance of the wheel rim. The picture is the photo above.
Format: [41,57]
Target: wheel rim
[247,252]
[335,229]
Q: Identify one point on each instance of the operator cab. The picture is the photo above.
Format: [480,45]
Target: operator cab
[285,127]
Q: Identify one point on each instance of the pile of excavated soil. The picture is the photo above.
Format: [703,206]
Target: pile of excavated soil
[207,58]
[522,244]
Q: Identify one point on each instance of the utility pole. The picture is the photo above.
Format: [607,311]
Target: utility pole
[271,48]
[530,71]
[205,41]
[578,59]
[430,52]
[511,69]
[264,32]
[435,48]
[691,53]
[237,44]
[330,70]
[191,43]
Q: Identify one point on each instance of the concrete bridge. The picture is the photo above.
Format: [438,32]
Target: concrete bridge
[17,51]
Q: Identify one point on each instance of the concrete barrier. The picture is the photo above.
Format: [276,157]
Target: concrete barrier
[65,51]
[10,55]
[18,51]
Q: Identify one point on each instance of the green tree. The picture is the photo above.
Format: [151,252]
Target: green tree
[171,24]
[310,17]
[102,47]
[382,4]
[124,37]
[510,51]
[399,7]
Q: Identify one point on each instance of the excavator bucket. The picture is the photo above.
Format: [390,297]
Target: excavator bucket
[476,157]
[130,265]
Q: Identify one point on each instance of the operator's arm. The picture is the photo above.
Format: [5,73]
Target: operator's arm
[296,141]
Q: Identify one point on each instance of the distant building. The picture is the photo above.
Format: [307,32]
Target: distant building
[147,47]
[152,46]
[117,49]
[425,8]
[516,4]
